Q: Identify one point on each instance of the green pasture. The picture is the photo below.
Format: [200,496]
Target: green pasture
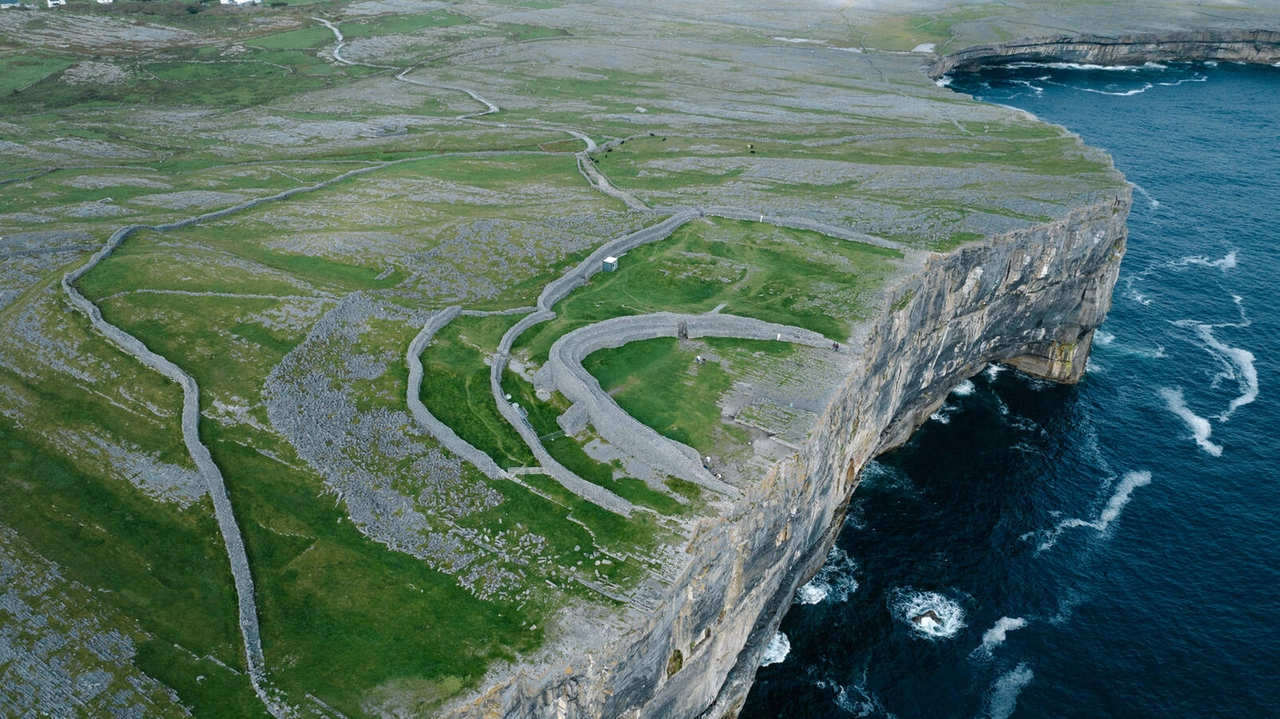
[775,274]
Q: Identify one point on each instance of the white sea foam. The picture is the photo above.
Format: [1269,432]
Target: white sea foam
[1127,93]
[1005,691]
[1237,365]
[944,81]
[1195,78]
[1201,430]
[1074,66]
[917,610]
[1108,515]
[943,415]
[777,651]
[1029,85]
[1225,263]
[1102,338]
[964,389]
[996,635]
[1142,191]
[854,699]
[834,581]
[992,371]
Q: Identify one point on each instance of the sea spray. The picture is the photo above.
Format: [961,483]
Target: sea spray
[834,581]
[777,650]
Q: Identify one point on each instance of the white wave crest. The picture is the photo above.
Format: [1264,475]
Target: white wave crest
[1201,430]
[835,580]
[964,389]
[1074,66]
[1126,93]
[1102,338]
[944,81]
[777,651]
[929,614]
[1194,78]
[1109,513]
[996,635]
[992,371]
[1005,691]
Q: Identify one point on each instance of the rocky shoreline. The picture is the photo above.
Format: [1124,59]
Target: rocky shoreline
[1258,47]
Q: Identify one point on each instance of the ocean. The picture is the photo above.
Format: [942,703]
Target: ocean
[1110,549]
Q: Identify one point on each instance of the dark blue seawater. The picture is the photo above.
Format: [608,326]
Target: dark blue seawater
[1105,550]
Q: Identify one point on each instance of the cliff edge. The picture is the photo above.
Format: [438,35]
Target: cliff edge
[1031,298]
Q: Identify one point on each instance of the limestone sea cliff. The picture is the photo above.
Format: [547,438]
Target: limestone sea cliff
[1032,298]
[1248,46]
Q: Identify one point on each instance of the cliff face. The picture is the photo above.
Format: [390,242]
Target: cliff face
[1031,298]
[1250,46]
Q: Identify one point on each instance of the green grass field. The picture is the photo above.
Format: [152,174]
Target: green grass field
[775,274]
[148,113]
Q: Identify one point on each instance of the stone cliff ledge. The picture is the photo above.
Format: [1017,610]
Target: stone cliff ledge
[1261,47]
[1030,297]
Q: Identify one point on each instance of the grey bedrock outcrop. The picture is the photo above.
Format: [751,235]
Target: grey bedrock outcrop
[1031,298]
[1259,47]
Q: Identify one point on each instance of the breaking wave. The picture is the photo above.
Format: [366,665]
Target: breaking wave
[964,389]
[1005,691]
[1074,66]
[929,614]
[777,651]
[1109,513]
[1126,93]
[996,635]
[834,581]
[1201,430]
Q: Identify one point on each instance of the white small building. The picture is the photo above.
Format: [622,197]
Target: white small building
[610,264]
[105,2]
